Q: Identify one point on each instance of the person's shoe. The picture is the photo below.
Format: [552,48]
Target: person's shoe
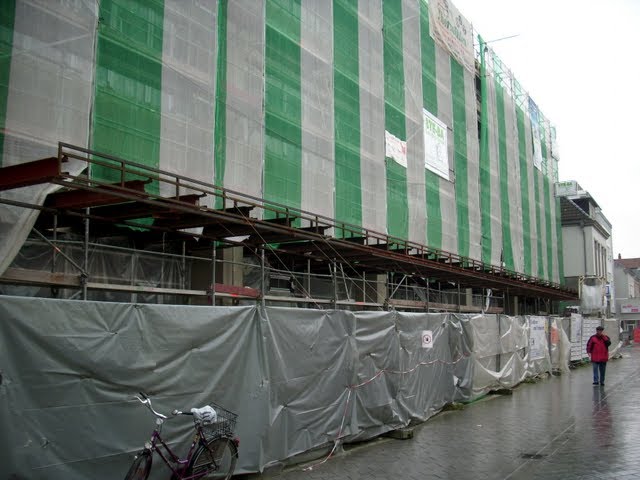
[595,383]
[602,383]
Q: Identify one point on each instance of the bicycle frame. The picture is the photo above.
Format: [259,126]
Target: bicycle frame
[156,444]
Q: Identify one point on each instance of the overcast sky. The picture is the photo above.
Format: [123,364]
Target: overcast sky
[580,62]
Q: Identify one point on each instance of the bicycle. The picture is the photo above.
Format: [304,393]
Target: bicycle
[213,452]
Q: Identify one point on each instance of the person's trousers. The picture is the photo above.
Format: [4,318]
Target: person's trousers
[599,368]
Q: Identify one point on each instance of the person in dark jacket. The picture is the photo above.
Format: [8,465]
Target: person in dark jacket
[598,350]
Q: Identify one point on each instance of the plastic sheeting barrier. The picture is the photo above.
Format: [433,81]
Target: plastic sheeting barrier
[298,378]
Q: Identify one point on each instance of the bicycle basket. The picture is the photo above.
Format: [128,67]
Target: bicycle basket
[224,425]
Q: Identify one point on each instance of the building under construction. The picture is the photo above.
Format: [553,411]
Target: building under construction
[185,168]
[309,152]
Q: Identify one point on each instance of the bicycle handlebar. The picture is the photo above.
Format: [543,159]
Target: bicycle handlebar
[147,402]
[178,412]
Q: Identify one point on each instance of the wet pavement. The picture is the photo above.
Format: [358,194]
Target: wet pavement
[558,428]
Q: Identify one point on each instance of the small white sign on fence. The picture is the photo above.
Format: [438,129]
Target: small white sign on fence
[427,339]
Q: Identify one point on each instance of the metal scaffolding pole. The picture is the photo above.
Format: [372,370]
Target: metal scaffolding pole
[83,278]
[262,282]
[213,273]
[334,278]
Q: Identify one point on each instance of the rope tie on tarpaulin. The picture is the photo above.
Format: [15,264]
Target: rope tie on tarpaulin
[351,388]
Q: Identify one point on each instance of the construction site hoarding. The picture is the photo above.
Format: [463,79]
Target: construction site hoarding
[299,379]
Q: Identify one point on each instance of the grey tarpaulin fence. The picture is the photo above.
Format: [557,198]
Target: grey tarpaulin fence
[298,378]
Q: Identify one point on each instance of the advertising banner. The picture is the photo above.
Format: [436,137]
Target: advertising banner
[435,145]
[567,188]
[452,32]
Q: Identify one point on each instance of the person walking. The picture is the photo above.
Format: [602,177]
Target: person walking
[598,350]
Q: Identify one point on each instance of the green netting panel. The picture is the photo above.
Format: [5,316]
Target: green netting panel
[283,108]
[430,102]
[460,155]
[485,159]
[473,165]
[348,200]
[559,245]
[220,129]
[548,227]
[397,203]
[507,248]
[524,190]
[537,174]
[414,121]
[127,108]
[7,17]
[545,205]
[448,208]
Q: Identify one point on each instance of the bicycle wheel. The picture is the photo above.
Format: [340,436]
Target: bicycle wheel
[141,467]
[215,461]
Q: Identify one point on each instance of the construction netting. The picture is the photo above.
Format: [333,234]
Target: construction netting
[299,379]
[346,109]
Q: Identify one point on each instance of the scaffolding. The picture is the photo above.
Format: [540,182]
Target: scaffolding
[279,254]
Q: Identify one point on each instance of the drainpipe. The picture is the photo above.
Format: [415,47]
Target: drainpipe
[584,243]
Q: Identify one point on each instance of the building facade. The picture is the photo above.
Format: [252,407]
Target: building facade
[587,247]
[627,281]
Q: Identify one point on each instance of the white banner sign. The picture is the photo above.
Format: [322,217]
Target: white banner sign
[435,145]
[395,148]
[537,146]
[534,114]
[537,338]
[452,32]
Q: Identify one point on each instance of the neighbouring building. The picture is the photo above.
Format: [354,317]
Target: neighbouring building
[627,282]
[587,248]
